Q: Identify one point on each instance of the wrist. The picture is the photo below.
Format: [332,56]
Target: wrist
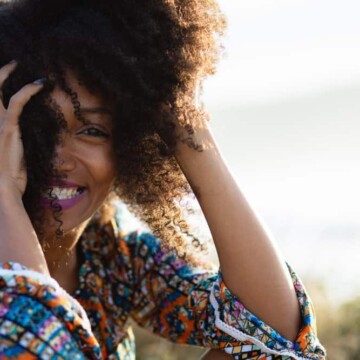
[205,170]
[18,240]
[9,193]
[198,141]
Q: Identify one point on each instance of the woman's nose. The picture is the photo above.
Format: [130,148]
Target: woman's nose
[64,160]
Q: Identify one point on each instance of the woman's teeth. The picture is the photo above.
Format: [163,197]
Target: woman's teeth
[64,193]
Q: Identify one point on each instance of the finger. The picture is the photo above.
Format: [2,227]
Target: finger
[5,71]
[20,99]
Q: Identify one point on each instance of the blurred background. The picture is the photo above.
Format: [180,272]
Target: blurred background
[286,113]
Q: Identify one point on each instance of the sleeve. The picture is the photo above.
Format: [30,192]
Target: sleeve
[189,305]
[39,320]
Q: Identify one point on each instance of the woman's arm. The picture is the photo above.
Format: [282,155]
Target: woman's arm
[39,320]
[189,305]
[251,265]
[18,240]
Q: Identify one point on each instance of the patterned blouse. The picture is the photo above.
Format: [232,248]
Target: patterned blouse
[125,276]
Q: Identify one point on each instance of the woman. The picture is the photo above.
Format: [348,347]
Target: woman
[115,113]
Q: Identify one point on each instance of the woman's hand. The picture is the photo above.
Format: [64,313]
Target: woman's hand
[12,168]
[18,239]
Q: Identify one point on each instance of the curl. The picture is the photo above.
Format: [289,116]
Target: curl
[146,58]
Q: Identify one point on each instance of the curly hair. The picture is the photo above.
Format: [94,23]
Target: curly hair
[147,57]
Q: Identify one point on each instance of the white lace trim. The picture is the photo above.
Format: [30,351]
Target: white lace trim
[47,280]
[240,336]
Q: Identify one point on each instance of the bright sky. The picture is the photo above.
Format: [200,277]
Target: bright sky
[286,113]
[281,48]
[285,105]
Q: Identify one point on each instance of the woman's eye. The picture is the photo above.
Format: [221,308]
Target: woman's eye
[95,132]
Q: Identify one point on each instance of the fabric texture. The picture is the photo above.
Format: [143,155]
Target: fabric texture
[125,276]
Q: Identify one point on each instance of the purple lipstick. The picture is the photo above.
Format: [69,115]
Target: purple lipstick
[63,193]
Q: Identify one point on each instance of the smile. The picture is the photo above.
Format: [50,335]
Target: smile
[66,196]
[64,193]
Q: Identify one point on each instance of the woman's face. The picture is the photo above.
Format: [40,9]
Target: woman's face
[84,158]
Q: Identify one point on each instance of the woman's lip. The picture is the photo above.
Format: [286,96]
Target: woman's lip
[64,184]
[65,204]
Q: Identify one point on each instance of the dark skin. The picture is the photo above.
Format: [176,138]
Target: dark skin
[86,158]
[63,266]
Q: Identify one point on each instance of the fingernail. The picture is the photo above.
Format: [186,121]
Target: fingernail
[13,62]
[40,81]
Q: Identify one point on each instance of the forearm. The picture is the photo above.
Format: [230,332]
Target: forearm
[250,264]
[63,320]
[16,228]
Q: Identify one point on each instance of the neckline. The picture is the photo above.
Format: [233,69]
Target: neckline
[81,260]
[83,247]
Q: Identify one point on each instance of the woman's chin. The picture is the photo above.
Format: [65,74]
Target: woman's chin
[55,227]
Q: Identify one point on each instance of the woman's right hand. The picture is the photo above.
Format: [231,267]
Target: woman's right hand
[18,239]
[13,177]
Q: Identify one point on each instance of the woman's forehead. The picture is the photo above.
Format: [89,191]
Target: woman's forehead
[88,102]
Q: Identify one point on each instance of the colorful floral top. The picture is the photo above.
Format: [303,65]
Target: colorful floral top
[130,276]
